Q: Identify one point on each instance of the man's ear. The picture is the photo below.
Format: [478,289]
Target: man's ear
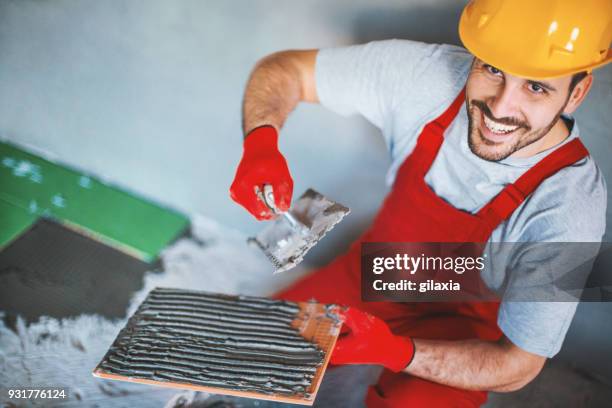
[580,91]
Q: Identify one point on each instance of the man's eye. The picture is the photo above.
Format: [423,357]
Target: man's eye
[492,69]
[535,88]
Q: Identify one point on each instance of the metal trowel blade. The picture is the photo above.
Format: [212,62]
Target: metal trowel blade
[286,244]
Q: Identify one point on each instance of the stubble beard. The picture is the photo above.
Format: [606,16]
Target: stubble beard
[492,151]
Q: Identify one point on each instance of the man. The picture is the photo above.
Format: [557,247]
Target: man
[484,150]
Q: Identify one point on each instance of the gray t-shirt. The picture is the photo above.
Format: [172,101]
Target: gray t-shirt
[399,86]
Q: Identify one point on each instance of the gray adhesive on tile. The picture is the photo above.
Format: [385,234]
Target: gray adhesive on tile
[234,342]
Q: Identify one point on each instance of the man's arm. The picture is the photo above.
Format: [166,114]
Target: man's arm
[360,79]
[475,364]
[468,364]
[276,85]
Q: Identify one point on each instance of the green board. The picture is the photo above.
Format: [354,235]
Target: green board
[13,221]
[31,186]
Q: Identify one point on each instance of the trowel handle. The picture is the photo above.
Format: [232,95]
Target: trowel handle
[267,196]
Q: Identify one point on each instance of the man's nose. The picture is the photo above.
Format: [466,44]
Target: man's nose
[504,104]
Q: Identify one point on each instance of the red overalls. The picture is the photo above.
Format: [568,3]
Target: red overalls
[412,212]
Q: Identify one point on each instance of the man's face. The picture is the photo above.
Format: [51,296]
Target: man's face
[507,113]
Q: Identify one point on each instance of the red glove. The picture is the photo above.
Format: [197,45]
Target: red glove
[370,341]
[262,163]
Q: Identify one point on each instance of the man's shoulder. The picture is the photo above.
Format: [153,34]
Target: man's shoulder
[411,46]
[570,205]
[418,63]
[433,67]
[582,182]
[376,79]
[437,77]
[427,79]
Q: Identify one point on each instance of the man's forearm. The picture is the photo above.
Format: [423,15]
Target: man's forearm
[276,85]
[474,364]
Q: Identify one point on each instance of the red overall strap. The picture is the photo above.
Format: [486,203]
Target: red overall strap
[432,136]
[511,197]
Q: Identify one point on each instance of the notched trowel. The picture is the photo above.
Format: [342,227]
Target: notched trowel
[290,236]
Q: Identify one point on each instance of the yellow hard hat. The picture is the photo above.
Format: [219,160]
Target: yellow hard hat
[539,39]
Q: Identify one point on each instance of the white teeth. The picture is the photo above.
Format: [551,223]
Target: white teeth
[498,127]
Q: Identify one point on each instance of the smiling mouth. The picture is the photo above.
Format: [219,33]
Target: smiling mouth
[498,128]
[493,132]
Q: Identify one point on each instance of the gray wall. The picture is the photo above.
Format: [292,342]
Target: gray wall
[147,94]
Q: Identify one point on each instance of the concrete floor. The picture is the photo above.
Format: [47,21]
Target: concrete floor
[62,352]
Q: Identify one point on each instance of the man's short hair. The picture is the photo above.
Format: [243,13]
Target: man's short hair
[575,79]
